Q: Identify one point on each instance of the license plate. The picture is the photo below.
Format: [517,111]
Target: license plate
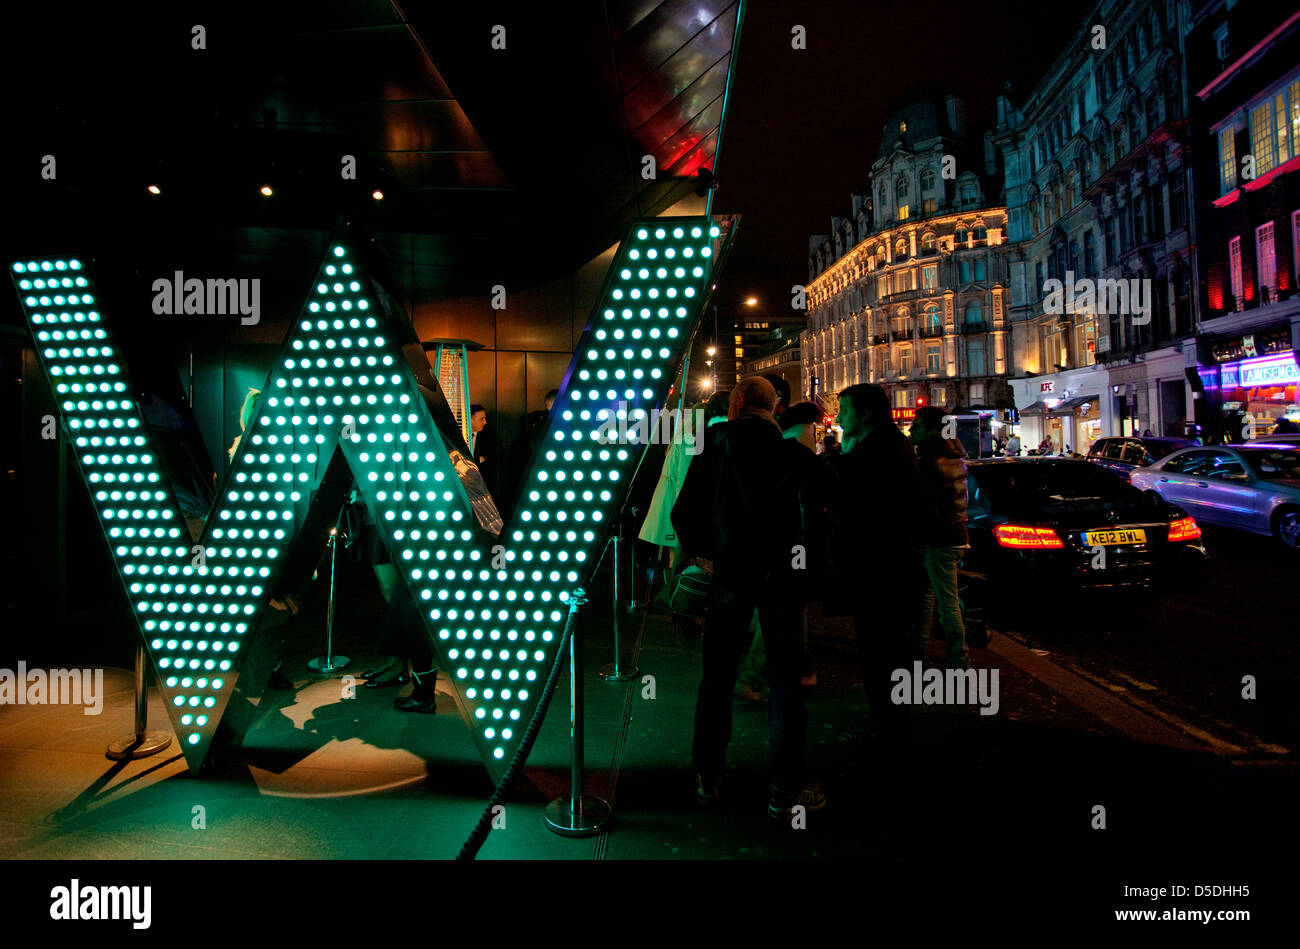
[1108,538]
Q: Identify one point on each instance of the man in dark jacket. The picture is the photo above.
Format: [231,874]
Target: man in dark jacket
[877,550]
[943,528]
[755,480]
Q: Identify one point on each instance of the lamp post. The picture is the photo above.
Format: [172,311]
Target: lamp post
[748,301]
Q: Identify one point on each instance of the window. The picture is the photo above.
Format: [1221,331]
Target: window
[1261,137]
[1186,462]
[931,322]
[904,399]
[740,353]
[930,277]
[927,244]
[964,270]
[932,359]
[1224,467]
[905,360]
[939,396]
[900,252]
[1177,201]
[927,179]
[1234,271]
[1157,194]
[968,194]
[901,188]
[1280,123]
[1089,252]
[1227,161]
[976,390]
[960,236]
[1138,204]
[1295,240]
[1072,263]
[904,212]
[1221,47]
[1113,450]
[1266,260]
[1111,255]
[979,270]
[929,205]
[1142,41]
[980,233]
[974,313]
[975,357]
[1135,453]
[1038,278]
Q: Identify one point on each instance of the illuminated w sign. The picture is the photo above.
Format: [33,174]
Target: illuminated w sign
[495,616]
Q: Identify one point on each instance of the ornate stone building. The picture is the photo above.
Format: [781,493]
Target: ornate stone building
[909,289]
[1098,189]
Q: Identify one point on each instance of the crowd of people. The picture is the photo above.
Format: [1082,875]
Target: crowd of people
[874,530]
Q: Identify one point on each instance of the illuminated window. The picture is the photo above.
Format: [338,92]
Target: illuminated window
[904,212]
[1234,271]
[927,243]
[931,321]
[740,353]
[930,275]
[929,205]
[1261,137]
[905,359]
[1227,161]
[1266,260]
[932,358]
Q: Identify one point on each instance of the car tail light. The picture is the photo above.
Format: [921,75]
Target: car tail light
[1037,538]
[1185,528]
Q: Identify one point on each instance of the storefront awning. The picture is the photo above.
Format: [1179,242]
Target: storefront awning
[1037,408]
[1067,407]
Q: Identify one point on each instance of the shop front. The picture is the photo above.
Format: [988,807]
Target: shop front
[1253,394]
[1065,411]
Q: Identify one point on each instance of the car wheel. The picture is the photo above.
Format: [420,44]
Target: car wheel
[1286,526]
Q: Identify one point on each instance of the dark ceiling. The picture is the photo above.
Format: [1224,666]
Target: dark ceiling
[496,164]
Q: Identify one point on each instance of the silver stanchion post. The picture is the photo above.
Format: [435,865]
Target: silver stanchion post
[615,671]
[143,742]
[579,814]
[330,663]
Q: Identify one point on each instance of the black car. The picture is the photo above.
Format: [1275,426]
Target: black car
[1053,526]
[1122,455]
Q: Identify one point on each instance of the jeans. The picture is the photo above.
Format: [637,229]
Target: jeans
[940,592]
[725,639]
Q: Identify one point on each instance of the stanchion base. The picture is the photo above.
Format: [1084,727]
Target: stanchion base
[561,819]
[322,664]
[127,749]
[615,673]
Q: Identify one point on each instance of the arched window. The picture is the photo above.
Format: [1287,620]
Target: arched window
[927,243]
[927,179]
[960,236]
[980,233]
[880,256]
[903,321]
[974,312]
[931,321]
[882,194]
[900,250]
[901,188]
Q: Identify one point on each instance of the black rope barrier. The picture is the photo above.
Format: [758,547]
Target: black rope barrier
[471,847]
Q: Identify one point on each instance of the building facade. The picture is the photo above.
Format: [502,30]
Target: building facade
[1102,306]
[1244,76]
[909,290]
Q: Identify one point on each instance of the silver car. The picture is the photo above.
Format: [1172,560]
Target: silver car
[1254,487]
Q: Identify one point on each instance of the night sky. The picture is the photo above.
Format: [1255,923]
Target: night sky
[804,125]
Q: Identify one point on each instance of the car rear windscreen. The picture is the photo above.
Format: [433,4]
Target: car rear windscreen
[1050,483]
